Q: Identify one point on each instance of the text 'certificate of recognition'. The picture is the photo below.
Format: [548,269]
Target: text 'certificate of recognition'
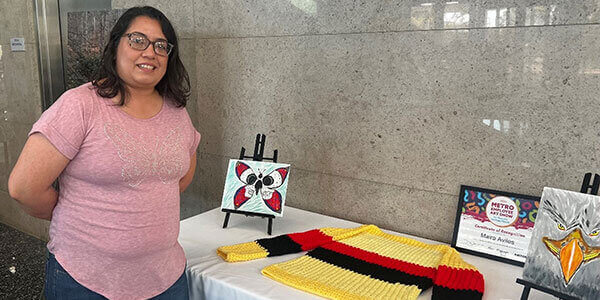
[495,224]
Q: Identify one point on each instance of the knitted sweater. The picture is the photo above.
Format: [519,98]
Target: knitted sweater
[363,263]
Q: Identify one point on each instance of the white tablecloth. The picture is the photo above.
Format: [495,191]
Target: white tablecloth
[210,277]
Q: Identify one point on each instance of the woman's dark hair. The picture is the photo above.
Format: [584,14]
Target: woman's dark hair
[175,84]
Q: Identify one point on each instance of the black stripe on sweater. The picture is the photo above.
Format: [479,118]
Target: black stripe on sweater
[369,269]
[444,293]
[279,245]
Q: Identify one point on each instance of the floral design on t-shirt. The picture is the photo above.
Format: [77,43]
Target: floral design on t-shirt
[164,160]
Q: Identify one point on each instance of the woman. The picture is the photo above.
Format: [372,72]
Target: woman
[123,148]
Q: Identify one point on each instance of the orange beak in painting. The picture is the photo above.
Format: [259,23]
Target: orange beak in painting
[572,251]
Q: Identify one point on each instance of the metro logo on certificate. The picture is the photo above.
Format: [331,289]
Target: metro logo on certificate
[494,224]
[502,211]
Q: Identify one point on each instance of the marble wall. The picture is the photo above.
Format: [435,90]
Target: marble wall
[20,104]
[383,108]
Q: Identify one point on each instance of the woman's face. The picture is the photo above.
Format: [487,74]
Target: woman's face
[141,69]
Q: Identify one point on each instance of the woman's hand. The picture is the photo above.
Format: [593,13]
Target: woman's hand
[30,182]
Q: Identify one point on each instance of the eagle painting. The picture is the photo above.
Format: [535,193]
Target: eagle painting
[564,251]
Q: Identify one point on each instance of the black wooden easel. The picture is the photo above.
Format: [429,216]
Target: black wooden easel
[592,188]
[528,285]
[586,188]
[259,150]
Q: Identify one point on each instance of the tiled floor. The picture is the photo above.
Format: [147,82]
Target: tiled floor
[22,263]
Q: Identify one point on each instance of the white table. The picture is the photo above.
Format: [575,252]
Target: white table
[210,277]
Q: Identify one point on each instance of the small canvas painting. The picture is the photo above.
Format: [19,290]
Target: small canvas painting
[564,251]
[254,186]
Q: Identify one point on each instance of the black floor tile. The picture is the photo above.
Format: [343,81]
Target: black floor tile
[22,264]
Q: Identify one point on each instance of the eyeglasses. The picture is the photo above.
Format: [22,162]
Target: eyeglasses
[140,41]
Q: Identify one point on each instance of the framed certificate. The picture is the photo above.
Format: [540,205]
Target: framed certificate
[494,224]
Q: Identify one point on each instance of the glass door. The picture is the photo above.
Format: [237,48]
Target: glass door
[85,29]
[72,35]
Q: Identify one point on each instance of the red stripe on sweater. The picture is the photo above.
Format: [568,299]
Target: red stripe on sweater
[310,239]
[459,279]
[374,258]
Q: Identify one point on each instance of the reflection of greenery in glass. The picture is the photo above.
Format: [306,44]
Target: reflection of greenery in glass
[87,34]
[83,70]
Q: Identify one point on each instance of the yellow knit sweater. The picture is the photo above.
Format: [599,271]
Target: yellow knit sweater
[363,263]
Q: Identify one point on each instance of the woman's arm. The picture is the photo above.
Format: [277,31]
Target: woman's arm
[30,182]
[187,178]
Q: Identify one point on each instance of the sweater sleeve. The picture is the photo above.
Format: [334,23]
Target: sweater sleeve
[456,279]
[288,243]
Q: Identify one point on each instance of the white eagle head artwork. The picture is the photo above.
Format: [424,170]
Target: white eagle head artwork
[564,251]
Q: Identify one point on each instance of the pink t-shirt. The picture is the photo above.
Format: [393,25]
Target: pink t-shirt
[114,228]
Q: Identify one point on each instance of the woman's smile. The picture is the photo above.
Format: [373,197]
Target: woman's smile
[146,67]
